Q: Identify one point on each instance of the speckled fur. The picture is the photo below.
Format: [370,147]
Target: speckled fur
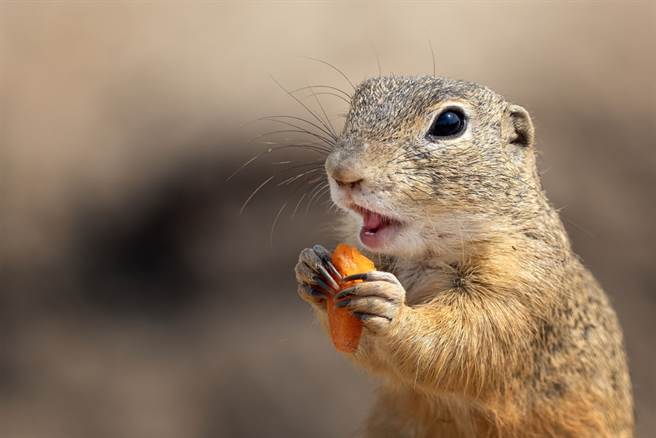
[502,332]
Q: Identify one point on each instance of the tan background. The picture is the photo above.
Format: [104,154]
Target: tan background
[135,301]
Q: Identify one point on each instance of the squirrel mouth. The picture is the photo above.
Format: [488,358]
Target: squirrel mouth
[377,229]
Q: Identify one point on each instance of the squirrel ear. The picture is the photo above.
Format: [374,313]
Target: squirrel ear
[519,128]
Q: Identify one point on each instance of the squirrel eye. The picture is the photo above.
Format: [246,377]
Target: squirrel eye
[450,123]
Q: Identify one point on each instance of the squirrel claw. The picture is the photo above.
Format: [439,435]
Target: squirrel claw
[325,275]
[376,301]
[316,274]
[319,282]
[326,258]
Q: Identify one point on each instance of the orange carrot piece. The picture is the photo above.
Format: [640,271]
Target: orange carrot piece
[345,329]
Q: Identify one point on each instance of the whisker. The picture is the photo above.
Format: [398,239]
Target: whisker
[309,145]
[308,177]
[430,45]
[300,102]
[333,67]
[311,182]
[302,146]
[327,202]
[323,111]
[299,130]
[275,221]
[266,181]
[276,117]
[313,194]
[296,177]
[317,179]
[246,163]
[314,148]
[298,204]
[329,87]
[318,163]
[319,194]
[380,70]
[322,93]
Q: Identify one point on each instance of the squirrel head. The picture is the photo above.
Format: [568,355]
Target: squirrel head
[425,163]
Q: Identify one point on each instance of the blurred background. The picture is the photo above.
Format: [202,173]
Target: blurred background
[136,301]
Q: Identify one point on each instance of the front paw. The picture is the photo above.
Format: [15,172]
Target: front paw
[377,301]
[316,275]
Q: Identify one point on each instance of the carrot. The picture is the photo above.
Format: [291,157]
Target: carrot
[345,329]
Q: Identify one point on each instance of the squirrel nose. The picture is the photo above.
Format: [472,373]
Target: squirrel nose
[344,175]
[353,183]
[347,173]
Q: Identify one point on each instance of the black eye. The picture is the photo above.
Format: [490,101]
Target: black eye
[450,123]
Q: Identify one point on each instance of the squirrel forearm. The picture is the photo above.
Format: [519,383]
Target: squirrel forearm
[456,344]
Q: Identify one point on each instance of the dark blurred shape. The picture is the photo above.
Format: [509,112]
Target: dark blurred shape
[132,257]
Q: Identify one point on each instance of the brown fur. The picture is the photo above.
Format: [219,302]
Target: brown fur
[501,332]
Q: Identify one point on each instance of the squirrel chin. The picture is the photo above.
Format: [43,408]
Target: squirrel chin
[380,238]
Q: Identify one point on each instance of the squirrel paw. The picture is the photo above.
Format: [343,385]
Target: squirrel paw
[316,275]
[377,301]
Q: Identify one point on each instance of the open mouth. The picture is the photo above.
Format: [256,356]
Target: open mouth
[377,229]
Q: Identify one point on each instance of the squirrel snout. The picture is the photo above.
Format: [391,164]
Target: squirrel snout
[345,174]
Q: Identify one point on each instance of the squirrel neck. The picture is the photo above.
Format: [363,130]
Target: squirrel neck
[520,249]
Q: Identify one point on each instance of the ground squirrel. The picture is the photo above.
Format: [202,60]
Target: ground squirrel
[481,320]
